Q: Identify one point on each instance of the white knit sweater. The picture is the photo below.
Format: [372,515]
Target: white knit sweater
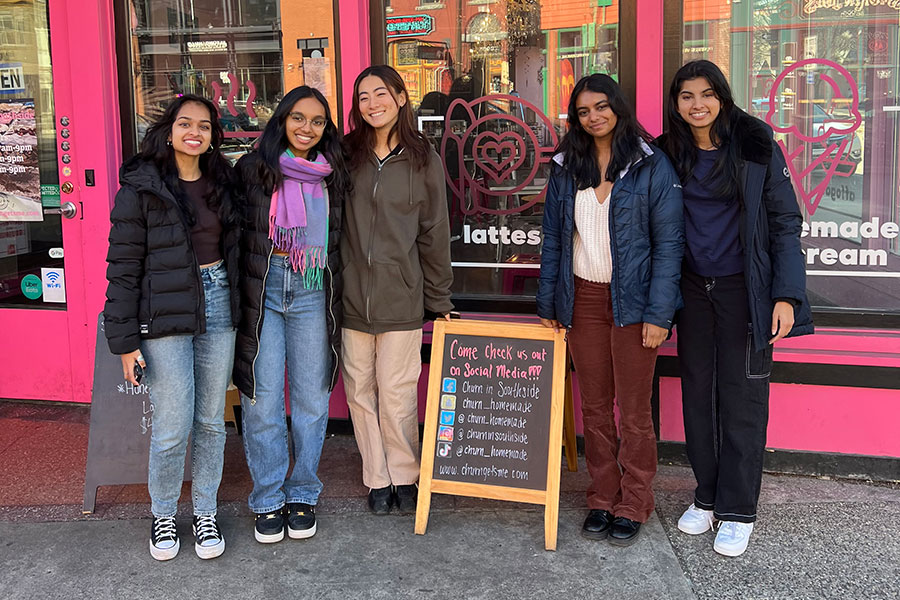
[592,256]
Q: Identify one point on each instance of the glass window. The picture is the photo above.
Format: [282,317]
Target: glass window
[490,80]
[242,54]
[824,76]
[31,249]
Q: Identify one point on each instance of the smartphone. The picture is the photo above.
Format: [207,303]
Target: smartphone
[138,372]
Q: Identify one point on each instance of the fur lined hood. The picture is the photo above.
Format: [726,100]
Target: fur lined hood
[752,135]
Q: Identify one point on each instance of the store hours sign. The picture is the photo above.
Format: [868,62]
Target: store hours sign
[409,25]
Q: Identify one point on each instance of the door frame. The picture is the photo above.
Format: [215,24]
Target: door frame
[48,354]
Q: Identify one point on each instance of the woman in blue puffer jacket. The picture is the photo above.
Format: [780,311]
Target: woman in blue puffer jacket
[610,268]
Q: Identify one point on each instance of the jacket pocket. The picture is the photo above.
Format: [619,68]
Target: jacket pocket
[758,364]
[393,296]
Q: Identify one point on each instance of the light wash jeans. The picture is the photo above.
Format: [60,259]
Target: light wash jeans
[293,332]
[188,376]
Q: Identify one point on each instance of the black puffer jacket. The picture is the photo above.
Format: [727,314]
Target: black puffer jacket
[154,279]
[256,249]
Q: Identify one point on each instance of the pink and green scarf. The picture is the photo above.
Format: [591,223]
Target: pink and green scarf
[298,216]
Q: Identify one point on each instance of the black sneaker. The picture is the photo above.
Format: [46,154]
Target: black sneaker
[380,500]
[269,527]
[208,540]
[301,520]
[405,497]
[164,542]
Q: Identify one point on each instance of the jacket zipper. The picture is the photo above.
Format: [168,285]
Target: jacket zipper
[615,253]
[372,239]
[262,299]
[334,368]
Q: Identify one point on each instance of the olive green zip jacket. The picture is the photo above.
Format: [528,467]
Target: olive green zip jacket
[395,245]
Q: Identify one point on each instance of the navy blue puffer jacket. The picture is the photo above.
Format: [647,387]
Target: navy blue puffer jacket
[770,227]
[646,230]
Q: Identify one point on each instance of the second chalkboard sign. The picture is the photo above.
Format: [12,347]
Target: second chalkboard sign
[493,425]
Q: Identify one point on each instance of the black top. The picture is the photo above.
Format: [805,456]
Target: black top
[711,224]
[390,154]
[207,230]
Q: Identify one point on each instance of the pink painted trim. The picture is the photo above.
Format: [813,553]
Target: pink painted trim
[648,59]
[355,48]
[811,418]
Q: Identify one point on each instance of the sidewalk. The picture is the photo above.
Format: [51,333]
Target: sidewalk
[815,538]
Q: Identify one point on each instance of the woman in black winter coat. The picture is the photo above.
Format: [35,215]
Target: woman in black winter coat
[172,298]
[744,288]
[293,187]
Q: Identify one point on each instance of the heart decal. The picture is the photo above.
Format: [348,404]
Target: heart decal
[498,155]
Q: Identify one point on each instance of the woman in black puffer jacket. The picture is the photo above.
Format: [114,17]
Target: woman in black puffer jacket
[172,297]
[294,187]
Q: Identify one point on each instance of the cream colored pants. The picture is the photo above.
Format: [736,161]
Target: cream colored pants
[381,378]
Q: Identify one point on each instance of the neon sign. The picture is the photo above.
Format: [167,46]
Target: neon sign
[409,25]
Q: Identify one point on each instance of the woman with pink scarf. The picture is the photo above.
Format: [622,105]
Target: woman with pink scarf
[293,189]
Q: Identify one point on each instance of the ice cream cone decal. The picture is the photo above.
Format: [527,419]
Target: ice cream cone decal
[820,124]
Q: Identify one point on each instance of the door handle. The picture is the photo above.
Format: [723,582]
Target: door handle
[66,209]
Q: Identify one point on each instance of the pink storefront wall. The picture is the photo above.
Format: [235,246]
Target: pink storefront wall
[803,417]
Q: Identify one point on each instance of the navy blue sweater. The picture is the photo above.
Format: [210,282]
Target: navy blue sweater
[711,224]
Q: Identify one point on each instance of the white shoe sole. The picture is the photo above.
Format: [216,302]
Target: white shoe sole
[693,530]
[302,534]
[165,553]
[732,552]
[270,538]
[207,552]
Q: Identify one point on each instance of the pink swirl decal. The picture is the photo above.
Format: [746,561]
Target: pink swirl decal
[232,92]
[250,98]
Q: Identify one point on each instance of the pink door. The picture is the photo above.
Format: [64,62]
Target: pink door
[58,156]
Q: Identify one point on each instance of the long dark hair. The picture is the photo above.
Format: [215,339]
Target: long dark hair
[578,145]
[273,143]
[680,145]
[360,141]
[155,148]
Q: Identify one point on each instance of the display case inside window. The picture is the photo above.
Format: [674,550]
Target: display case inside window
[824,76]
[490,81]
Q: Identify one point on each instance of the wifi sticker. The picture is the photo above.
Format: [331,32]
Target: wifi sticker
[54,283]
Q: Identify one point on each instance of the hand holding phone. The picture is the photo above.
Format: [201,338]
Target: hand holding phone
[133,366]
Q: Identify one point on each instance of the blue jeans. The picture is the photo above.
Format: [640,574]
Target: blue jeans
[293,331]
[188,376]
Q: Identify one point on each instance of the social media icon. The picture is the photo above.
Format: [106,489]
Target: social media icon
[443,449]
[448,402]
[449,385]
[445,434]
[447,417]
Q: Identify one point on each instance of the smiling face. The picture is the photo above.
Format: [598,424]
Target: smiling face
[376,103]
[304,126]
[192,131]
[698,104]
[595,114]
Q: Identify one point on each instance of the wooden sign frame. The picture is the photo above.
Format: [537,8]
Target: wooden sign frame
[548,497]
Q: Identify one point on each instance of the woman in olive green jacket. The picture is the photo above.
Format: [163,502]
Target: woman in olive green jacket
[395,252]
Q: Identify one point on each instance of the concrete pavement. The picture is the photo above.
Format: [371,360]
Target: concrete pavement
[816,538]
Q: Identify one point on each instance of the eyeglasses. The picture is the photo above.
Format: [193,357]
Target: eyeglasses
[300,120]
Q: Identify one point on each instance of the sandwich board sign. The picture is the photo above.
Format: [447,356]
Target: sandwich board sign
[494,419]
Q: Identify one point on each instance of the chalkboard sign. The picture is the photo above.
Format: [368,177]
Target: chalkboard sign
[121,421]
[493,425]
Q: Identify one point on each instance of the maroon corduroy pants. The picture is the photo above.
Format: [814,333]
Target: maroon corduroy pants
[612,365]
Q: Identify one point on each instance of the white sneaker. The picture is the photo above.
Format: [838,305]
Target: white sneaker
[695,520]
[732,538]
